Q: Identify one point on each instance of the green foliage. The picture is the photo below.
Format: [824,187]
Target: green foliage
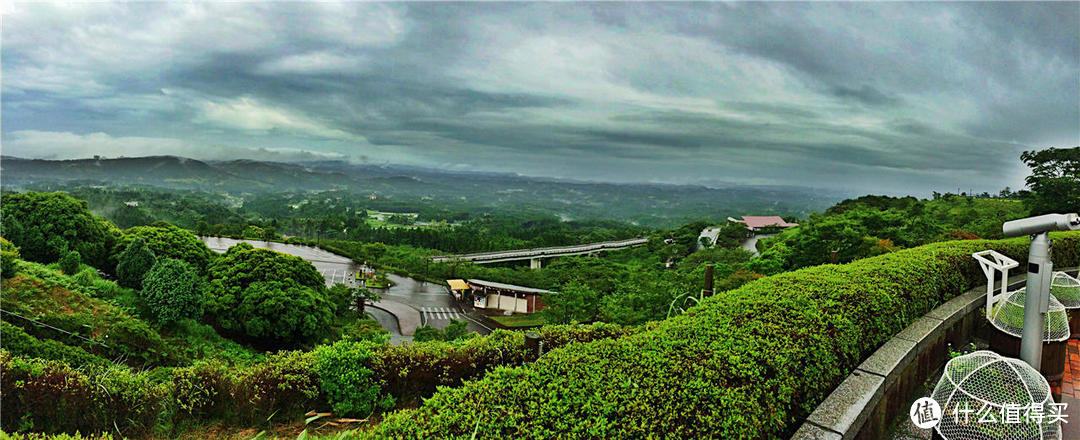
[873,225]
[62,436]
[344,377]
[573,302]
[747,363]
[70,262]
[173,291]
[134,262]
[272,298]
[1054,180]
[200,341]
[427,333]
[18,342]
[285,383]
[8,254]
[457,329]
[279,314]
[52,397]
[45,226]
[168,241]
[412,372]
[50,297]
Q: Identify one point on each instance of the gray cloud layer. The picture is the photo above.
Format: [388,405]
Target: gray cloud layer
[865,96]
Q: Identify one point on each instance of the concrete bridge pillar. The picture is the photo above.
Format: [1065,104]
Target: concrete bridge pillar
[534,263]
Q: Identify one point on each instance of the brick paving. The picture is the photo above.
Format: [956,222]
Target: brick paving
[1068,390]
[1070,383]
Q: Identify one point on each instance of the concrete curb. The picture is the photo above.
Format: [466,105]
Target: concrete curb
[876,393]
[407,317]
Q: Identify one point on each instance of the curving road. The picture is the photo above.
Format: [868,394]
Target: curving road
[406,305]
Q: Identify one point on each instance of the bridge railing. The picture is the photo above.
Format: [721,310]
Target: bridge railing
[537,252]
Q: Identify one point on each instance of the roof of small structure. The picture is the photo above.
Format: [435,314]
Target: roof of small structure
[458,284]
[761,221]
[494,285]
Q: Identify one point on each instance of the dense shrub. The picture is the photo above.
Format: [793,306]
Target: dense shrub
[50,396]
[201,390]
[346,380]
[134,262]
[285,384]
[47,225]
[54,299]
[173,291]
[348,377]
[168,241]
[414,371]
[39,436]
[8,254]
[281,314]
[70,262]
[271,298]
[745,364]
[18,342]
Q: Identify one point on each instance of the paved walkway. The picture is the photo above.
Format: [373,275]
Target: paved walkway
[408,318]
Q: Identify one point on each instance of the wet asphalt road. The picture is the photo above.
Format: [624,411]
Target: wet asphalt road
[433,301]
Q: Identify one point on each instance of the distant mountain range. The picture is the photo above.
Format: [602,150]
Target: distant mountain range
[645,203]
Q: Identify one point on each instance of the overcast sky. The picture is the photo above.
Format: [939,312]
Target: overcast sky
[869,97]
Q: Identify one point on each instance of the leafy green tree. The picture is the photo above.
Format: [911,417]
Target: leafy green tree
[168,241]
[280,314]
[45,226]
[268,296]
[173,291]
[362,296]
[375,251]
[427,333]
[8,254]
[345,377]
[1054,180]
[575,301]
[134,263]
[70,262]
[341,297]
[457,329]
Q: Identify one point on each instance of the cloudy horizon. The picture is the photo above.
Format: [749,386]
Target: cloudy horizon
[874,97]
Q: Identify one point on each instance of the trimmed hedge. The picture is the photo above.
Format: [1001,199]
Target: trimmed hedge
[284,385]
[52,397]
[413,372]
[745,364]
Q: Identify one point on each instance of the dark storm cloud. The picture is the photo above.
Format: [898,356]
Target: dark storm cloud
[866,96]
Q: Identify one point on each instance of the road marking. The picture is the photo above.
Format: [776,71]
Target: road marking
[442,313]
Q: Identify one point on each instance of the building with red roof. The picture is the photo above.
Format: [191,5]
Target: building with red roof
[754,222]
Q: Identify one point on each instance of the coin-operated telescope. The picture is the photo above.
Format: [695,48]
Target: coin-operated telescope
[1039,277]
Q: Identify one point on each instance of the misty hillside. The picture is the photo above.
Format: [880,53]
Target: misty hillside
[649,204]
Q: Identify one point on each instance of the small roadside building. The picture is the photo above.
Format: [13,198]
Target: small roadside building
[763,223]
[459,288]
[489,295]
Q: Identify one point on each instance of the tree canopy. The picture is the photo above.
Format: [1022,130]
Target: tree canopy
[280,314]
[134,262]
[268,295]
[174,291]
[168,241]
[1054,180]
[45,226]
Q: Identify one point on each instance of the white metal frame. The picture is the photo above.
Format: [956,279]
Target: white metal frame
[991,262]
